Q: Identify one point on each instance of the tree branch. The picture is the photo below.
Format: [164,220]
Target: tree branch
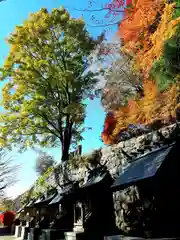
[105,25]
[98,10]
[51,124]
[33,133]
[55,39]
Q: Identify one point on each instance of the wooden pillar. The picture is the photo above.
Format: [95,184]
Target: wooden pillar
[27,219]
[82,213]
[74,212]
[79,222]
[39,214]
[37,217]
[80,207]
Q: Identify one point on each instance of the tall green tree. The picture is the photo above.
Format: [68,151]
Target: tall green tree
[47,78]
[8,204]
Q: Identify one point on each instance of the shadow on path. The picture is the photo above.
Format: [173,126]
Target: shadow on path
[5,233]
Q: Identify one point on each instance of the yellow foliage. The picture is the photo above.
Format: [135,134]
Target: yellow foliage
[165,30]
[167,103]
[153,105]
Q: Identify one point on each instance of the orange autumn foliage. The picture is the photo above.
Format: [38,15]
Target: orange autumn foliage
[141,15]
[153,105]
[109,125]
[166,29]
[146,46]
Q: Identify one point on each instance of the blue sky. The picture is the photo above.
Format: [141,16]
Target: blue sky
[14,12]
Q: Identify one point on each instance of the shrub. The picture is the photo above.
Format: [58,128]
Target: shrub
[8,218]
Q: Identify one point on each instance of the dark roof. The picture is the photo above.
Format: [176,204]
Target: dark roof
[38,200]
[27,205]
[94,180]
[45,201]
[69,188]
[66,191]
[19,210]
[143,167]
[30,204]
[57,199]
[22,208]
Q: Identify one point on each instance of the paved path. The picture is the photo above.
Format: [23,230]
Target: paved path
[8,238]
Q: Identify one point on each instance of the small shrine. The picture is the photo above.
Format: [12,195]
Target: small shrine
[146,192]
[93,211]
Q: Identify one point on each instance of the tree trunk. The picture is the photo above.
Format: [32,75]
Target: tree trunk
[65,152]
[178,101]
[65,149]
[66,141]
[64,159]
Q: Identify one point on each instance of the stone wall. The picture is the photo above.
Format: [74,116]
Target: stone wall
[116,161]
[122,199]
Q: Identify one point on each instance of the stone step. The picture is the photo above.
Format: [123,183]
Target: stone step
[70,235]
[78,229]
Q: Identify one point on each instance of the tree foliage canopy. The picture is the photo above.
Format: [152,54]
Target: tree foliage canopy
[120,84]
[150,36]
[48,79]
[43,162]
[8,204]
[8,172]
[141,111]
